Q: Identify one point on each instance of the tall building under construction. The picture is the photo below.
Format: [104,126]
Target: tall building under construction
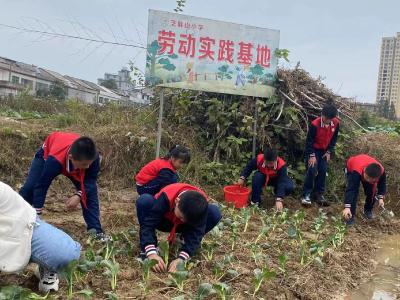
[389,72]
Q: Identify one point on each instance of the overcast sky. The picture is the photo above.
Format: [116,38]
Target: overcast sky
[338,40]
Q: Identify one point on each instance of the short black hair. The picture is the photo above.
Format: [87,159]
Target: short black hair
[193,206]
[179,152]
[83,149]
[373,170]
[329,111]
[270,154]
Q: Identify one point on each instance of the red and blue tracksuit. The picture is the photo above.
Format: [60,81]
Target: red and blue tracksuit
[154,176]
[276,177]
[321,139]
[355,168]
[157,213]
[51,160]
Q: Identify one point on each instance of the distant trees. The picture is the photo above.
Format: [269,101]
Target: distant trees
[58,90]
[386,109]
[110,84]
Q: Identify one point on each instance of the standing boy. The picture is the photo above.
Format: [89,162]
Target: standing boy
[178,207]
[271,171]
[75,157]
[368,171]
[320,146]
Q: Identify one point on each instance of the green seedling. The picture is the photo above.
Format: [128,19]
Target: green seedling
[112,269]
[319,223]
[234,234]
[264,231]
[204,290]
[111,296]
[17,292]
[259,276]
[179,277]
[147,265]
[283,259]
[223,290]
[340,230]
[163,247]
[209,248]
[246,216]
[219,268]
[256,253]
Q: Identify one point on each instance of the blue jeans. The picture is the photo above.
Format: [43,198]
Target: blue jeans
[315,177]
[52,248]
[283,188]
[145,203]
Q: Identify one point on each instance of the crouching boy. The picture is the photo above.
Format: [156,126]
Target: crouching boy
[368,171]
[271,171]
[178,207]
[25,238]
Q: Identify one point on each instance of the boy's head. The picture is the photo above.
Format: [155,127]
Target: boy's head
[270,157]
[329,111]
[191,207]
[372,173]
[82,153]
[179,156]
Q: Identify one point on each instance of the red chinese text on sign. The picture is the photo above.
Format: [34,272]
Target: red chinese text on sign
[205,48]
[187,45]
[245,54]
[225,52]
[263,56]
[166,40]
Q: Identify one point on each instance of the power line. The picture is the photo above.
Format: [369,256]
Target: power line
[61,35]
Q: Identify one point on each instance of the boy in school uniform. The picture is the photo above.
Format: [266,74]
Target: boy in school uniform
[75,157]
[271,170]
[370,173]
[177,208]
[320,146]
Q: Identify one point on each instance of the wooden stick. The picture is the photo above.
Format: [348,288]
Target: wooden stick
[294,102]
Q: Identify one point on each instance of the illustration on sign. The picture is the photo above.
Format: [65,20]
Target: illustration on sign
[201,54]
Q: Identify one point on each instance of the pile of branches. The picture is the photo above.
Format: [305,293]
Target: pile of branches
[297,88]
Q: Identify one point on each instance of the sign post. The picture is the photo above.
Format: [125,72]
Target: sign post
[201,54]
[159,129]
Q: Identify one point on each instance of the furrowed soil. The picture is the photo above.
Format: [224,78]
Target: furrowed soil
[342,269]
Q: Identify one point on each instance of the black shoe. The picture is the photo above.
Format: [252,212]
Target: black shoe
[320,200]
[142,256]
[368,214]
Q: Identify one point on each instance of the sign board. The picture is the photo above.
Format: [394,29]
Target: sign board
[207,55]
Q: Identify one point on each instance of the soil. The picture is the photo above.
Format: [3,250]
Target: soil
[344,268]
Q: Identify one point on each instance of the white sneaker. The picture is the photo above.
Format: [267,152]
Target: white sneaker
[306,200]
[48,281]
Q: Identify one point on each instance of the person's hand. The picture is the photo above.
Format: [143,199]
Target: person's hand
[381,202]
[346,213]
[160,266]
[240,182]
[279,204]
[173,265]
[327,156]
[72,202]
[312,161]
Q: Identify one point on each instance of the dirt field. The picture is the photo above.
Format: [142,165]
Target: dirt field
[302,262]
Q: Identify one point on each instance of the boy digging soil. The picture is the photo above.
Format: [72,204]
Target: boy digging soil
[75,157]
[178,207]
[367,170]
